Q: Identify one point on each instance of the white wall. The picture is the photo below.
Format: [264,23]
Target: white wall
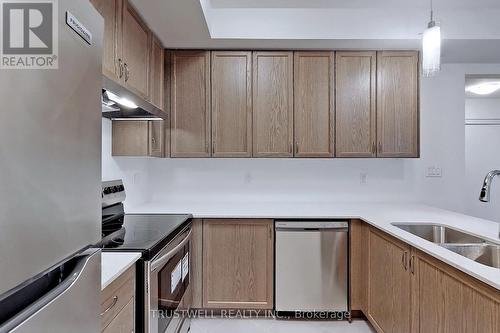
[482,155]
[442,145]
[133,171]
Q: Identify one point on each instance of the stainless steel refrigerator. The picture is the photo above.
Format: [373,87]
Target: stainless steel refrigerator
[50,176]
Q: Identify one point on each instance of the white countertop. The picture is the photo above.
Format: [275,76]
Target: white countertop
[114,264]
[378,215]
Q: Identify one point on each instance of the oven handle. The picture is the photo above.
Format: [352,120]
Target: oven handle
[159,262]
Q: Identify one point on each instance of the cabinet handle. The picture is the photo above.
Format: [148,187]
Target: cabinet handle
[404,260]
[380,147]
[120,68]
[115,300]
[127,73]
[412,265]
[213,148]
[374,148]
[296,148]
[290,148]
[270,233]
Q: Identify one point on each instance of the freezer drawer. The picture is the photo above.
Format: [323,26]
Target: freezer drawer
[64,299]
[311,266]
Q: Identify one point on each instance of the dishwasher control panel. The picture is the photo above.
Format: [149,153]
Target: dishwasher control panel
[311,224]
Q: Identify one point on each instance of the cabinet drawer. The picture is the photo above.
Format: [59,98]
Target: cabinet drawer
[116,296]
[124,321]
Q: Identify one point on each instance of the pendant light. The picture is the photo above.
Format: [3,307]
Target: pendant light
[431,48]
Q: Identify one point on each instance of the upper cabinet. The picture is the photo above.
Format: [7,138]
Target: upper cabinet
[190,104]
[397,104]
[135,47]
[112,63]
[231,104]
[126,45]
[273,104]
[313,104]
[355,112]
[156,74]
[289,104]
[138,138]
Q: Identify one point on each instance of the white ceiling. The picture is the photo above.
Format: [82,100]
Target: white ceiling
[471,29]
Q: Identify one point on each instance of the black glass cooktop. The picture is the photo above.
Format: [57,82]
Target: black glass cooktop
[142,233]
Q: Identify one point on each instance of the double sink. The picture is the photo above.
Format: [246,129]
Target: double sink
[462,243]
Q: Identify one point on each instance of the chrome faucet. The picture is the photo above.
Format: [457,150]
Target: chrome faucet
[484,196]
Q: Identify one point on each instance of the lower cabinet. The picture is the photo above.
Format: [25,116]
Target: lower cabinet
[238,264]
[410,291]
[389,284]
[446,300]
[118,304]
[138,138]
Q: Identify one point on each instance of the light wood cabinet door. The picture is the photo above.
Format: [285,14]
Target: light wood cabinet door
[397,104]
[231,104]
[388,284]
[111,10]
[238,264]
[355,111]
[272,104]
[138,138]
[130,138]
[156,75]
[313,104]
[190,104]
[448,301]
[156,134]
[124,321]
[136,45]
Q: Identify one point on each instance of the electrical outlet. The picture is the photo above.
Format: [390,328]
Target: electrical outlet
[434,172]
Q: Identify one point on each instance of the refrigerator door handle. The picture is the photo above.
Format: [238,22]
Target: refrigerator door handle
[80,262]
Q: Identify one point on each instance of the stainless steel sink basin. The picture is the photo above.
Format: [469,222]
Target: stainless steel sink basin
[486,254]
[439,234]
[472,247]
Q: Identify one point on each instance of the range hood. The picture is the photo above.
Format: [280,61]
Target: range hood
[119,103]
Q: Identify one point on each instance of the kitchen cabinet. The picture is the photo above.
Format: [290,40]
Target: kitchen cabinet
[231,104]
[197,264]
[313,104]
[238,264]
[355,111]
[389,283]
[397,104]
[135,48]
[358,243]
[190,123]
[118,304]
[411,291]
[112,60]
[447,300]
[126,45]
[156,74]
[138,138]
[272,104]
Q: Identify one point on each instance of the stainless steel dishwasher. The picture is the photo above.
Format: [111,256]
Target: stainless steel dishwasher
[311,266]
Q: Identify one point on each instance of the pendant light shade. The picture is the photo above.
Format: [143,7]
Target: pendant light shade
[431,48]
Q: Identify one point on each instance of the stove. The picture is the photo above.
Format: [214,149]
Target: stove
[164,240]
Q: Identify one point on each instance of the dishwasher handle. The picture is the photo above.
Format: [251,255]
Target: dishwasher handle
[340,226]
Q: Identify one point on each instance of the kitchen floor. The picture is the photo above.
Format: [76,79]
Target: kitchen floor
[276,326]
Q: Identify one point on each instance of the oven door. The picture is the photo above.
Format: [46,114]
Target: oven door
[168,280]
